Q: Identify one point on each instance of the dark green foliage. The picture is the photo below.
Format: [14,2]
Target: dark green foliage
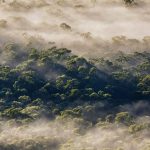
[38,82]
[128,2]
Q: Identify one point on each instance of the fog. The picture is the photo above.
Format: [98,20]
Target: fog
[67,135]
[84,26]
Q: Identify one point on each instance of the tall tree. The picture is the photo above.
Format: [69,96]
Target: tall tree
[128,2]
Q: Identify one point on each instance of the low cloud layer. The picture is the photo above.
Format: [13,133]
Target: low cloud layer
[83,26]
[67,135]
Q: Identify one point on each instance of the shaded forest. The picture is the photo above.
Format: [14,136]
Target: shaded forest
[47,82]
[51,99]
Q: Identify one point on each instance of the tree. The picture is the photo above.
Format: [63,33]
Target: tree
[124,117]
[144,86]
[128,2]
[74,93]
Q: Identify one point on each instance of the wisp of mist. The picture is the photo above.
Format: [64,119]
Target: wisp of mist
[87,27]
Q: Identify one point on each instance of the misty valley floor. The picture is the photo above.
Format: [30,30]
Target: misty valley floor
[73,134]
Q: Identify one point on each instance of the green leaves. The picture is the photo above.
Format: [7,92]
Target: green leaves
[124,118]
[56,79]
[128,2]
[144,86]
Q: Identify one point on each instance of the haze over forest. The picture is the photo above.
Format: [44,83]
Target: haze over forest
[83,26]
[74,75]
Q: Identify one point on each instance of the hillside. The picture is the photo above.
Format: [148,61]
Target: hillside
[48,82]
[50,99]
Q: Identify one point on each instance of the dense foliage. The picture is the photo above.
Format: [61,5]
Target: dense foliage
[49,82]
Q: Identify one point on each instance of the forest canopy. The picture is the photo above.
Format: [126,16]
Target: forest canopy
[47,82]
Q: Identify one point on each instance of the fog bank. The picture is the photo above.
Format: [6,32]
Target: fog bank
[69,135]
[85,26]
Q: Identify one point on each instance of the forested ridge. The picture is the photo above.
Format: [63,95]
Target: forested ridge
[51,82]
[52,99]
